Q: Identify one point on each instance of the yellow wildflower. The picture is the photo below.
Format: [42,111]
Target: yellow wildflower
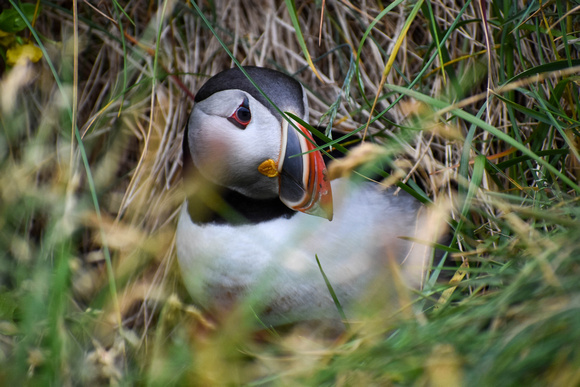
[20,53]
[6,39]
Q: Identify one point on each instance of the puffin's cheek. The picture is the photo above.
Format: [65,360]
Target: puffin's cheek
[214,156]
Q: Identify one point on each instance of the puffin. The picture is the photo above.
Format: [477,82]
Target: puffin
[264,229]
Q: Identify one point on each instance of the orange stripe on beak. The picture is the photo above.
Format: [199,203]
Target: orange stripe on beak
[303,182]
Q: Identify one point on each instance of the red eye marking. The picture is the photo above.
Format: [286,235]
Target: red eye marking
[242,116]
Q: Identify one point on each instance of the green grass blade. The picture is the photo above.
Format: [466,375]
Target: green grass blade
[333,294]
[485,126]
[293,15]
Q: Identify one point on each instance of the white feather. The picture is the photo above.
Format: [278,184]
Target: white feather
[274,262]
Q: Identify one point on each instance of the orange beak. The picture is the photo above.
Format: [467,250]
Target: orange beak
[303,183]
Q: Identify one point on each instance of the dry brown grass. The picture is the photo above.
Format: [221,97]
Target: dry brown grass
[123,85]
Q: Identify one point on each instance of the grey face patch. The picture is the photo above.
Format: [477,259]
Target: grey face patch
[227,155]
[284,91]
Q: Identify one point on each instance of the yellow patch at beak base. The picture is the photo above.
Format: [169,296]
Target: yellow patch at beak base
[268,168]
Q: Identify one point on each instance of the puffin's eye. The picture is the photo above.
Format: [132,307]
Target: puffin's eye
[242,116]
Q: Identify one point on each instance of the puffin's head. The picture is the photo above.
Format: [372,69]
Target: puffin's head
[238,140]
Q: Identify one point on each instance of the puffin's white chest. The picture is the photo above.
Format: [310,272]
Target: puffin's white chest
[275,261]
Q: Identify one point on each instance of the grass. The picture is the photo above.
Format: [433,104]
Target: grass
[477,108]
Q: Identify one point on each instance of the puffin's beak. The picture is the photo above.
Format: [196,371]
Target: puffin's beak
[303,183]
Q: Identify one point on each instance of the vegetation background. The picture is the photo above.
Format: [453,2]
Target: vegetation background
[475,104]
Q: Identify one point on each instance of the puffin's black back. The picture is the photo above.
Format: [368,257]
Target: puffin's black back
[284,91]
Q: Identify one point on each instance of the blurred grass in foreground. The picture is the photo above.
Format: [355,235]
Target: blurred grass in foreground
[478,109]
